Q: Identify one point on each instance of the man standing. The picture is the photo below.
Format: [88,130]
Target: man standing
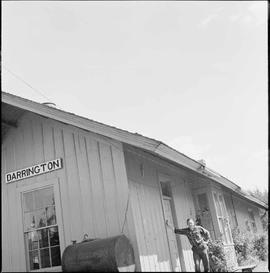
[198,238]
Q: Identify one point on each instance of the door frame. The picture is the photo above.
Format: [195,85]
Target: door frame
[162,177]
[225,217]
[207,191]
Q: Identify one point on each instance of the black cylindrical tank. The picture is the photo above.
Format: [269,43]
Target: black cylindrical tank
[113,254]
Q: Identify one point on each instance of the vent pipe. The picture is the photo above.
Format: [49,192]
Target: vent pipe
[51,104]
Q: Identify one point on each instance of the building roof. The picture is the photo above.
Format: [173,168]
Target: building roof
[154,146]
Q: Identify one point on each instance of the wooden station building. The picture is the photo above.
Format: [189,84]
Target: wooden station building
[64,176]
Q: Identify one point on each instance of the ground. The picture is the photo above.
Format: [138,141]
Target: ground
[262,267]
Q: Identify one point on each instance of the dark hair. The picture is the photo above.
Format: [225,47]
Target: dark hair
[189,220]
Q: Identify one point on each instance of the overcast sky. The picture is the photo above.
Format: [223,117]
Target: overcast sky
[191,74]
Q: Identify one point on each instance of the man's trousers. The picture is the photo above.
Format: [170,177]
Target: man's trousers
[201,253]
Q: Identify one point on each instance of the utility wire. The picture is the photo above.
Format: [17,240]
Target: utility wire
[19,78]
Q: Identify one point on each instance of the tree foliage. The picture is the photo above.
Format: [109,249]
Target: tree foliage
[260,194]
[263,196]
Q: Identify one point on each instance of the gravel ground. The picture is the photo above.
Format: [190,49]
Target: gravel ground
[262,267]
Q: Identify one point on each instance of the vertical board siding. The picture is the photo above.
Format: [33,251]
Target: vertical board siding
[13,217]
[64,194]
[124,202]
[120,188]
[98,194]
[93,183]
[241,211]
[110,196]
[82,188]
[38,144]
[6,254]
[72,178]
[148,213]
[86,190]
[49,151]
[184,208]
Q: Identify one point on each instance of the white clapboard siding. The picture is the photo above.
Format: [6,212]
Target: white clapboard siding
[93,183]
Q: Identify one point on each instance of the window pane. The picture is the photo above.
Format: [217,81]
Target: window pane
[45,257]
[28,201]
[43,238]
[54,236]
[32,238]
[51,216]
[29,221]
[44,198]
[55,254]
[203,202]
[34,260]
[165,188]
[222,229]
[227,232]
[217,205]
[40,216]
[222,205]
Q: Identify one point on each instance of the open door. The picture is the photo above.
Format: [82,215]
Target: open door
[168,215]
[171,236]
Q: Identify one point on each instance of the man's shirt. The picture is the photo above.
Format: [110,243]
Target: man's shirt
[196,236]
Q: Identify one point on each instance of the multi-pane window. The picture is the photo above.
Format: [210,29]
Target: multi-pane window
[231,211]
[223,219]
[205,218]
[41,229]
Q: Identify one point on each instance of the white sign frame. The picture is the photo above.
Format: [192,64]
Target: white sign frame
[48,166]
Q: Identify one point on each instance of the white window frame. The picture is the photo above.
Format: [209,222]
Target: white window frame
[56,190]
[224,217]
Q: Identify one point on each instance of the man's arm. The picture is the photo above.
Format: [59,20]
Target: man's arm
[182,231]
[205,234]
[176,230]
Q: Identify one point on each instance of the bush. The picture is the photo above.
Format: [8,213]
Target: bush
[250,248]
[217,256]
[242,244]
[260,246]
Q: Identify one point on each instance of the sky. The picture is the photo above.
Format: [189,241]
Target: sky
[190,74]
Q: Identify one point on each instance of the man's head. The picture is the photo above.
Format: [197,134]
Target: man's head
[190,223]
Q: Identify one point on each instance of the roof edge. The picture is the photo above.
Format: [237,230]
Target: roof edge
[134,139]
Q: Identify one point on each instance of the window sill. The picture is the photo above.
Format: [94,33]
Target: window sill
[230,244]
[49,269]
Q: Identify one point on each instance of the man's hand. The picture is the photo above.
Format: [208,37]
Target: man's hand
[168,225]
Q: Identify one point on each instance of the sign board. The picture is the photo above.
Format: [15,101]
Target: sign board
[42,168]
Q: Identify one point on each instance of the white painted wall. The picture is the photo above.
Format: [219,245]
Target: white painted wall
[148,212]
[93,183]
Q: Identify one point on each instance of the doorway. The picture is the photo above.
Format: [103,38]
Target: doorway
[167,202]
